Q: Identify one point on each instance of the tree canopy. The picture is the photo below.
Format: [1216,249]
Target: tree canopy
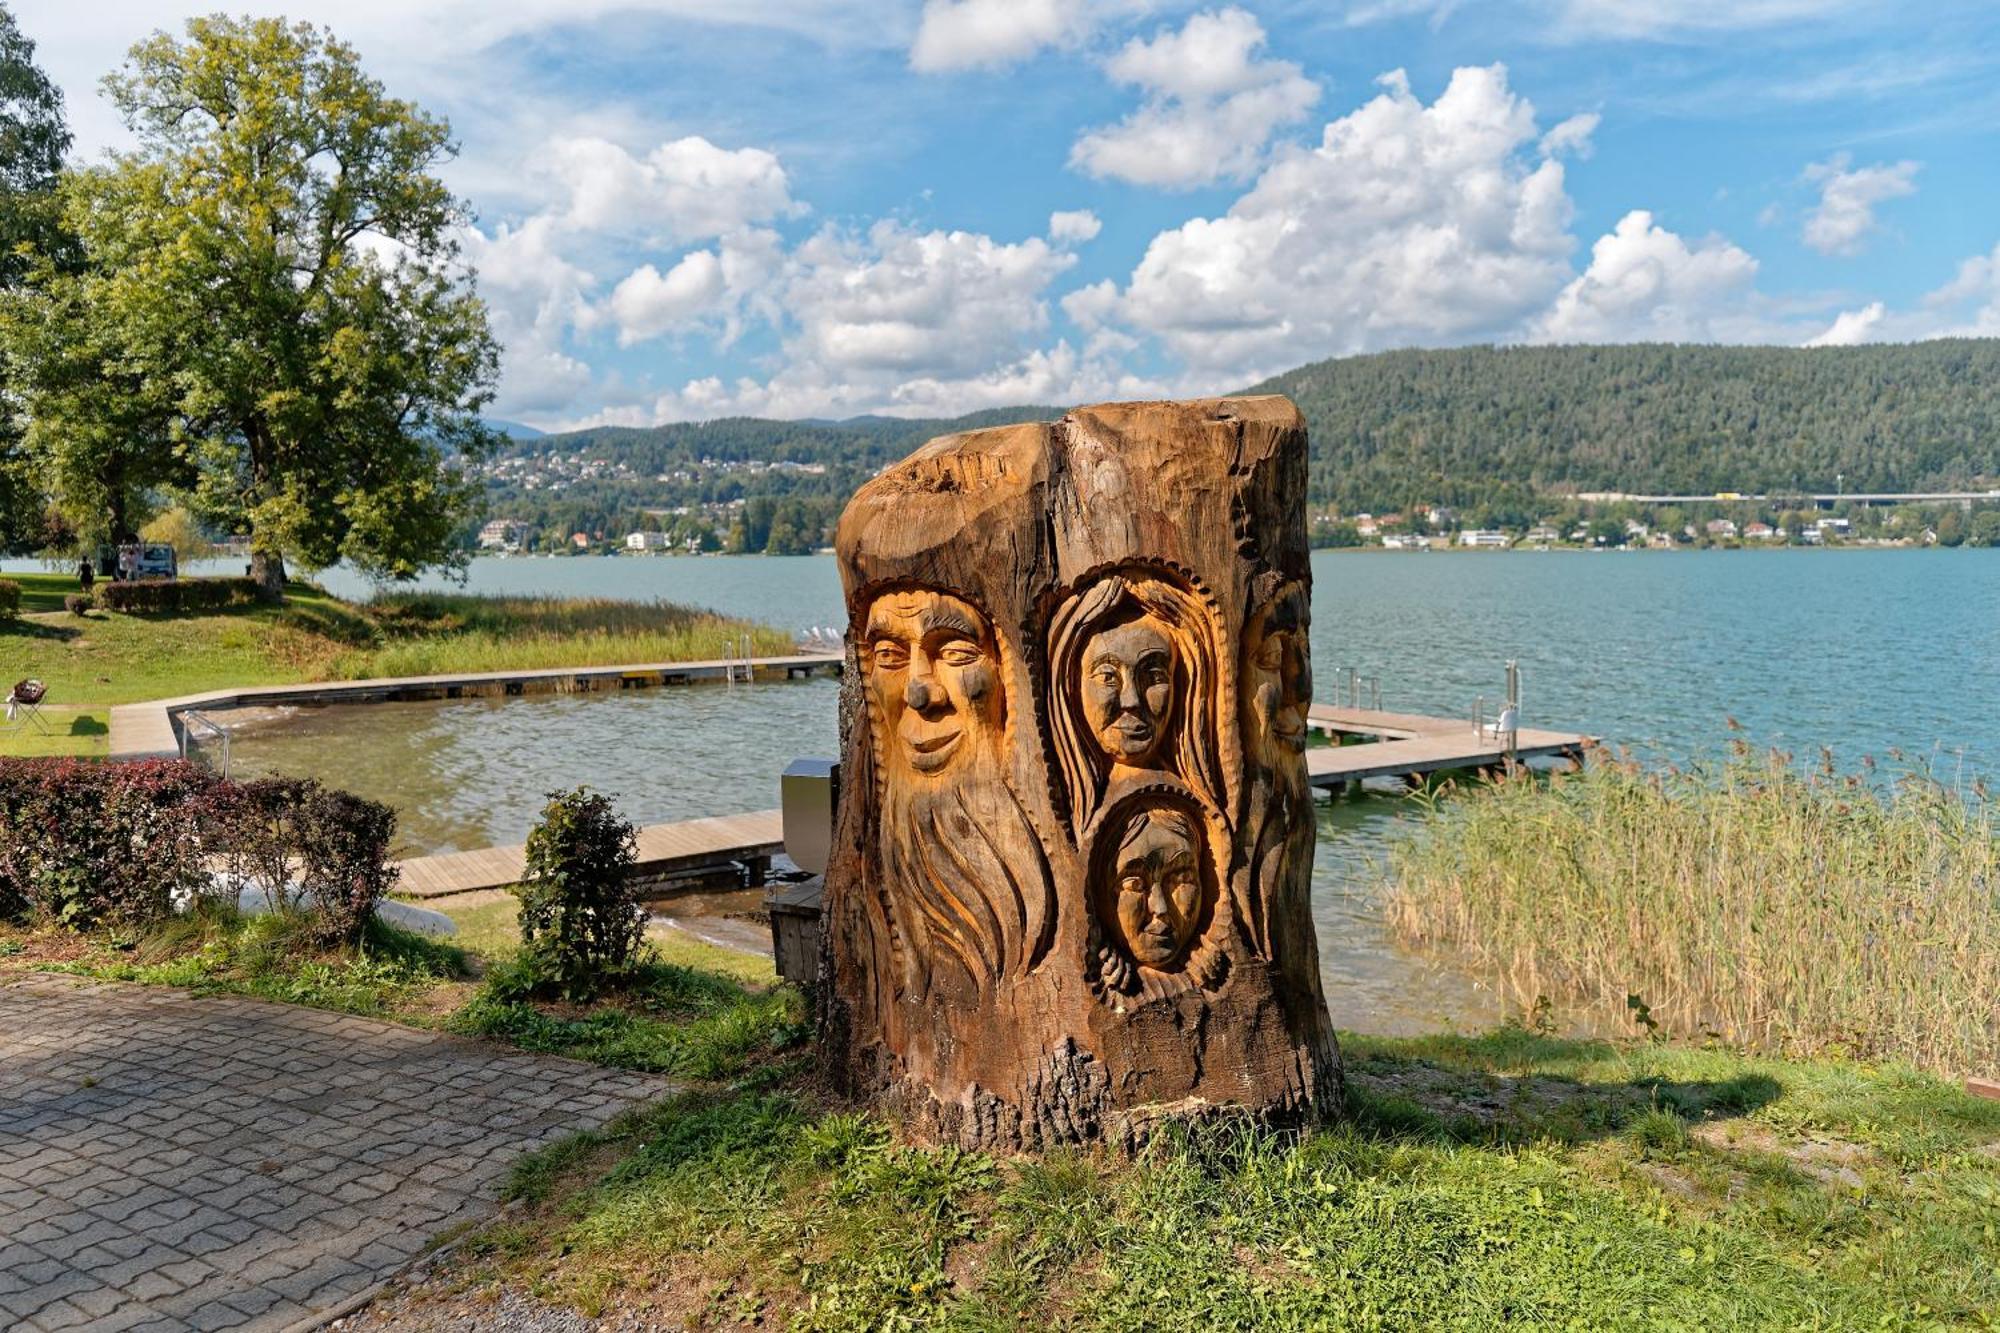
[34,136]
[270,313]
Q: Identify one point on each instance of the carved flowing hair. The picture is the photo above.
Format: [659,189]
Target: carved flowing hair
[1198,681]
[962,887]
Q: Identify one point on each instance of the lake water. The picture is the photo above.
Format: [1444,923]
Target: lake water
[1862,650]
[1868,652]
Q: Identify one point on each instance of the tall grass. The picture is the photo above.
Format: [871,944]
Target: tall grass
[421,634]
[1777,909]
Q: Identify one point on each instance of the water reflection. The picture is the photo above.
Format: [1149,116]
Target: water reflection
[473,772]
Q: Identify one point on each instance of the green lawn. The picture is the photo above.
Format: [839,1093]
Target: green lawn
[1499,1181]
[93,661]
[105,658]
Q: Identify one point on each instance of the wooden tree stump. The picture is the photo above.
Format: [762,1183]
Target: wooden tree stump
[1068,897]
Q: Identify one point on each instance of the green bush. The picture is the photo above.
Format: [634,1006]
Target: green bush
[86,844]
[322,852]
[122,845]
[10,598]
[581,924]
[153,595]
[76,603]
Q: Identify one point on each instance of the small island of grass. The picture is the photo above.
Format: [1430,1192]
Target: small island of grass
[96,660]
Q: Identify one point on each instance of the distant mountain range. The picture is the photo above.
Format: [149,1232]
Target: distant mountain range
[1474,425]
[514,430]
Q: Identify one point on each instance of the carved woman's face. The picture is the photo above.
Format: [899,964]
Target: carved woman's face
[1156,880]
[931,667]
[1277,680]
[1128,690]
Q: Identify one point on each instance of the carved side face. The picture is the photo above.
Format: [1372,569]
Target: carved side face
[1277,678]
[1151,900]
[935,678]
[1127,690]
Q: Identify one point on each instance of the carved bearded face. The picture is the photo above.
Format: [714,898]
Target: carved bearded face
[934,676]
[1277,679]
[1128,690]
[1155,888]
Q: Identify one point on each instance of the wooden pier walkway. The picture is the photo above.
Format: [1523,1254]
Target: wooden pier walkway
[1411,746]
[152,730]
[667,852]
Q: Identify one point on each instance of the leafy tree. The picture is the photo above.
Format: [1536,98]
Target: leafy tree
[277,267]
[1607,532]
[1984,529]
[33,138]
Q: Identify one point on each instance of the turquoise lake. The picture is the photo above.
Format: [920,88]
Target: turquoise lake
[1869,652]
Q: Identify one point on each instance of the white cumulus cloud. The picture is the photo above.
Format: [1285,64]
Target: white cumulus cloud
[1646,283]
[1211,102]
[1850,327]
[648,303]
[1407,223]
[1074,227]
[684,190]
[911,321]
[1845,215]
[534,298]
[963,34]
[1572,135]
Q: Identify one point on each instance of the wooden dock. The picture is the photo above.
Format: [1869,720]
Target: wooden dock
[1412,746]
[667,852]
[152,730]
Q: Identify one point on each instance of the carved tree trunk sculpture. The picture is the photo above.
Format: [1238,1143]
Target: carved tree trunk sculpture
[1068,892]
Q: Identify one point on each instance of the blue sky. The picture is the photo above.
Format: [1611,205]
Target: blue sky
[775,207]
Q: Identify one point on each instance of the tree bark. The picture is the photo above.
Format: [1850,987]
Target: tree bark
[267,569]
[1068,898]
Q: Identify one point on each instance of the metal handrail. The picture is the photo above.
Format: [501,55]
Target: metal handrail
[190,720]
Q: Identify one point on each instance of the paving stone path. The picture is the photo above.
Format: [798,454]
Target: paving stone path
[170,1161]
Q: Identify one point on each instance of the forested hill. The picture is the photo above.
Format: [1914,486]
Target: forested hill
[1473,424]
[1499,429]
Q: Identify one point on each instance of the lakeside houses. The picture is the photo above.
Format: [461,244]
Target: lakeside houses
[503,534]
[1760,532]
[646,541]
[1720,527]
[1541,535]
[1485,538]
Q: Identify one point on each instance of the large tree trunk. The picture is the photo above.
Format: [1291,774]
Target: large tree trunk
[1068,896]
[267,568]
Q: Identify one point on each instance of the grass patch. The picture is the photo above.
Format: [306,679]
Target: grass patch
[1767,907]
[490,928]
[437,633]
[666,1019]
[1675,1194]
[212,950]
[92,662]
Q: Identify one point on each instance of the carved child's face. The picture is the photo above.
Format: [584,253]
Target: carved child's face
[1128,689]
[932,670]
[1277,679]
[1156,889]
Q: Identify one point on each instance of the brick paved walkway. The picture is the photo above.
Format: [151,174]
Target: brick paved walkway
[174,1162]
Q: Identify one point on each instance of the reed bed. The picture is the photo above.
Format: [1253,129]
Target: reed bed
[417,634]
[1775,909]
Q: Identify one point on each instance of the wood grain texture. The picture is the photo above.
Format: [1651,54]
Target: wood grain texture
[1068,897]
